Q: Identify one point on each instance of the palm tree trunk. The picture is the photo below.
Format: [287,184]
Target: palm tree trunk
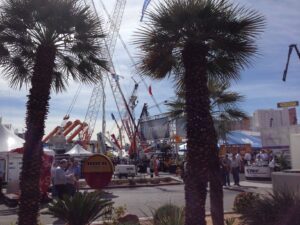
[216,191]
[200,133]
[37,110]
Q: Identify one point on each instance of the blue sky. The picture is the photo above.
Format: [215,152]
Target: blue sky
[261,84]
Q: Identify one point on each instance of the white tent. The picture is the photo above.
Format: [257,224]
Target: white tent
[48,151]
[77,150]
[9,140]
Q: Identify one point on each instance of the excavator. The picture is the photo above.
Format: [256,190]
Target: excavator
[291,47]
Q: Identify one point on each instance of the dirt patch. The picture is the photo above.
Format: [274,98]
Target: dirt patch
[208,219]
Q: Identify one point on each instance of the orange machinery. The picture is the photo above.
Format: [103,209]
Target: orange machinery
[68,128]
[56,131]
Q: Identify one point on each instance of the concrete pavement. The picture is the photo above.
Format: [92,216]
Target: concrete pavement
[141,201]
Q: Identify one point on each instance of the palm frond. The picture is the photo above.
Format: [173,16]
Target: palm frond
[68,25]
[229,32]
[83,208]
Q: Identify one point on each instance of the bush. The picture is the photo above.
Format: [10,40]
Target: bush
[283,162]
[155,181]
[280,208]
[131,182]
[244,200]
[168,214]
[166,179]
[81,209]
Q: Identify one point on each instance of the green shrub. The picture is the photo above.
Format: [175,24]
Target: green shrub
[244,200]
[283,162]
[168,214]
[280,208]
[230,221]
[81,209]
[114,215]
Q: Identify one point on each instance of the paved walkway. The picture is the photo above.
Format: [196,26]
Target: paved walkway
[140,200]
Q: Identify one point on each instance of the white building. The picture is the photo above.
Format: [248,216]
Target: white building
[270,118]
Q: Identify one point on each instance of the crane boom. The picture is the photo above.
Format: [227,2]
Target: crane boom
[98,93]
[291,47]
[129,54]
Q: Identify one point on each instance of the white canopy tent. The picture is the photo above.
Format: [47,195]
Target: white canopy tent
[9,140]
[77,150]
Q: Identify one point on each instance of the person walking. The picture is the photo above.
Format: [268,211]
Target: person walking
[59,178]
[70,178]
[247,158]
[226,166]
[235,170]
[156,166]
[151,165]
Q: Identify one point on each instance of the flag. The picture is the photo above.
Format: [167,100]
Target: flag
[150,90]
[113,117]
[146,3]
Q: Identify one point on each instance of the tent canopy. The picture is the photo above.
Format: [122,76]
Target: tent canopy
[21,151]
[9,140]
[239,137]
[77,150]
[235,138]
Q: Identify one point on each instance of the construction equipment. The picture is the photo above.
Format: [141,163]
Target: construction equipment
[98,97]
[291,47]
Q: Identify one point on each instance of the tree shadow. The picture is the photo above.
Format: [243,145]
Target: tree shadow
[8,212]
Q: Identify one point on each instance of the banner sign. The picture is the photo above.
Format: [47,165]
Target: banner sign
[257,172]
[155,129]
[287,104]
[98,171]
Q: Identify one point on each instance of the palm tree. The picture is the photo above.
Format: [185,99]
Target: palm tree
[193,41]
[224,109]
[223,106]
[44,43]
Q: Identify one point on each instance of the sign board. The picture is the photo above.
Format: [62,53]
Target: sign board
[155,129]
[242,149]
[98,171]
[287,104]
[253,172]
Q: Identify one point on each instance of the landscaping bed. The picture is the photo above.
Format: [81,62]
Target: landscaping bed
[136,182]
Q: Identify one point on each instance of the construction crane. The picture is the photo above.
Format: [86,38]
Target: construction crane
[98,93]
[130,56]
[98,96]
[291,47]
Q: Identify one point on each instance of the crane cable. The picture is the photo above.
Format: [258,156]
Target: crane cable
[74,100]
[131,57]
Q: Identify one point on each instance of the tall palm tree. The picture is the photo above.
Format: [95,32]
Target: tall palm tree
[224,109]
[43,44]
[223,105]
[193,40]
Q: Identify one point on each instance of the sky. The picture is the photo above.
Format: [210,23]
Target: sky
[261,84]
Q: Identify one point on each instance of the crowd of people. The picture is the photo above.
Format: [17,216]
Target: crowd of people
[231,166]
[234,163]
[64,176]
